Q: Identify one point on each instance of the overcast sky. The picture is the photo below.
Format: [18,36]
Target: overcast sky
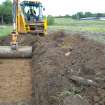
[62,7]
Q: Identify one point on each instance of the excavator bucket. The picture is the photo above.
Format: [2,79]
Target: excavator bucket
[21,52]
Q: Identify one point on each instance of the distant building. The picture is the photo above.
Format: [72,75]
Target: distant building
[89,18]
[101,18]
[93,18]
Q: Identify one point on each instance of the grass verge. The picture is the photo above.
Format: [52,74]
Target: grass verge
[5,30]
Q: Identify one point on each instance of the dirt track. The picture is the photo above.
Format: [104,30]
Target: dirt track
[57,60]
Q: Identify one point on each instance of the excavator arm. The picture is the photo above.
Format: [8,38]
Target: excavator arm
[14,43]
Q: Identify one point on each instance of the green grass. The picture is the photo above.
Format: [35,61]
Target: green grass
[93,29]
[95,26]
[67,24]
[78,25]
[5,30]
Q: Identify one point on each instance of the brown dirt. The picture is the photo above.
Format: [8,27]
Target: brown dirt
[57,58]
[15,80]
[22,40]
[16,77]
[60,56]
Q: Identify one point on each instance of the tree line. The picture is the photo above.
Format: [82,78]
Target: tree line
[6,14]
[80,15]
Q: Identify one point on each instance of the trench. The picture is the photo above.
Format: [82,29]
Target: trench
[15,80]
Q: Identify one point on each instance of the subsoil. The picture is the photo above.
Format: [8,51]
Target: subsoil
[15,80]
[56,59]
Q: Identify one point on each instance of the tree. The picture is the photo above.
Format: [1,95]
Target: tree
[50,20]
[67,16]
[74,16]
[1,14]
[6,12]
[78,15]
[99,15]
[88,14]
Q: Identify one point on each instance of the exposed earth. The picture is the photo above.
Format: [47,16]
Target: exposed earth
[65,69]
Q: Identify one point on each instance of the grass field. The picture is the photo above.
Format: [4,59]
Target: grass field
[76,25]
[93,29]
[5,30]
[70,25]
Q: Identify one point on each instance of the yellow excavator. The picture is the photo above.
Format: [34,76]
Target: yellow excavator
[27,18]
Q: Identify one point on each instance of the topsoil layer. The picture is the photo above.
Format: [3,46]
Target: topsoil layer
[66,70]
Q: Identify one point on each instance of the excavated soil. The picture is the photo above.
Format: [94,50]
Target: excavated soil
[66,70]
[59,63]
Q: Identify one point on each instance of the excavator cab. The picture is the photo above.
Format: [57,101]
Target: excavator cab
[34,20]
[31,18]
[31,12]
